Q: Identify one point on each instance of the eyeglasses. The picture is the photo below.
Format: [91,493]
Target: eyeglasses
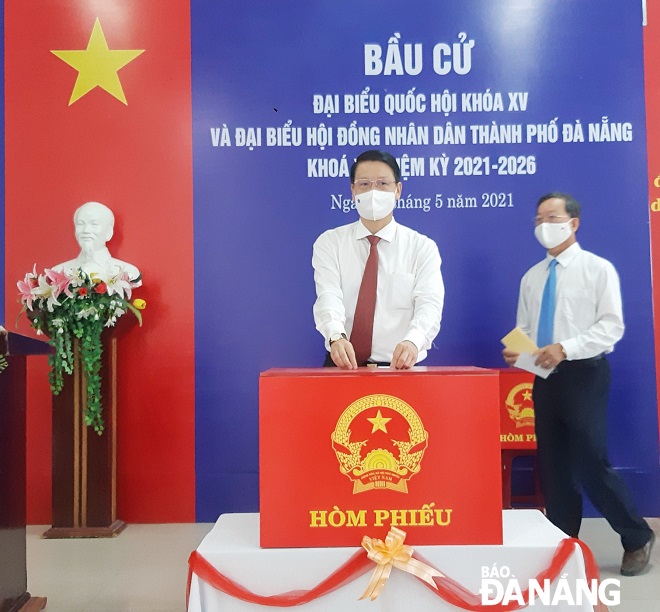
[549,219]
[381,184]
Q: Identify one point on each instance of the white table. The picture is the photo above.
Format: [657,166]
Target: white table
[232,547]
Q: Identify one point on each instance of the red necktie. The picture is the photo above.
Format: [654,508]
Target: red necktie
[363,321]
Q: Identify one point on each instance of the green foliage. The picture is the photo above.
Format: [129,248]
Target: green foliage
[74,318]
[87,332]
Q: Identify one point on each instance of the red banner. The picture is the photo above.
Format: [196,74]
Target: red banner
[98,108]
[652,86]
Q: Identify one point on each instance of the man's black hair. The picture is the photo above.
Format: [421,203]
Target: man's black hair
[380,156]
[573,207]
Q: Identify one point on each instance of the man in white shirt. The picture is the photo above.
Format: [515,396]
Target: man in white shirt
[571,404]
[410,290]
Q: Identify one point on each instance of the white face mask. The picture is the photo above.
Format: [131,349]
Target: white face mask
[551,235]
[375,205]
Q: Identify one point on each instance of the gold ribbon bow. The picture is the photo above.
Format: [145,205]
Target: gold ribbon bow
[393,553]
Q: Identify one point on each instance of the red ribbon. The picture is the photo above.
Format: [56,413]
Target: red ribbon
[357,565]
[450,590]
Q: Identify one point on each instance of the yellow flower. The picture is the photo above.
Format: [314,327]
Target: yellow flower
[139,304]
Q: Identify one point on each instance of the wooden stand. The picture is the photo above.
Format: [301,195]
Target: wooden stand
[84,463]
[13,562]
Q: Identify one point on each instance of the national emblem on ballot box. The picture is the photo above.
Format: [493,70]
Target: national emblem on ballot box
[381,451]
[519,405]
[516,410]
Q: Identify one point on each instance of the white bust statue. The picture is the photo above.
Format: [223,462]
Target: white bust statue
[94,225]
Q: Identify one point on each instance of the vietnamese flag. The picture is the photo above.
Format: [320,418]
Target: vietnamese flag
[98,108]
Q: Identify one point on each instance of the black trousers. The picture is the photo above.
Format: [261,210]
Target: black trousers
[571,431]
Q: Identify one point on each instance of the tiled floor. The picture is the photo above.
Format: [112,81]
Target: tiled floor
[638,593]
[142,569]
[145,569]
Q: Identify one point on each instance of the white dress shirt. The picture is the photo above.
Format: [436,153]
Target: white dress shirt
[410,291]
[588,314]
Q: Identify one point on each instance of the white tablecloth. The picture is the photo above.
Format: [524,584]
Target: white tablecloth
[232,547]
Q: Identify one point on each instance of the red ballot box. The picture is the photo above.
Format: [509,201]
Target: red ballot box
[345,454]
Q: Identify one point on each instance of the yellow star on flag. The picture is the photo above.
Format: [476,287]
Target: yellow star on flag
[379,422]
[97,66]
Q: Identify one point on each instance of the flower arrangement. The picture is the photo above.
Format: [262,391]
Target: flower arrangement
[77,307]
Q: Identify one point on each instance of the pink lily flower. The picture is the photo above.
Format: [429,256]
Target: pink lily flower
[26,287]
[46,291]
[60,282]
